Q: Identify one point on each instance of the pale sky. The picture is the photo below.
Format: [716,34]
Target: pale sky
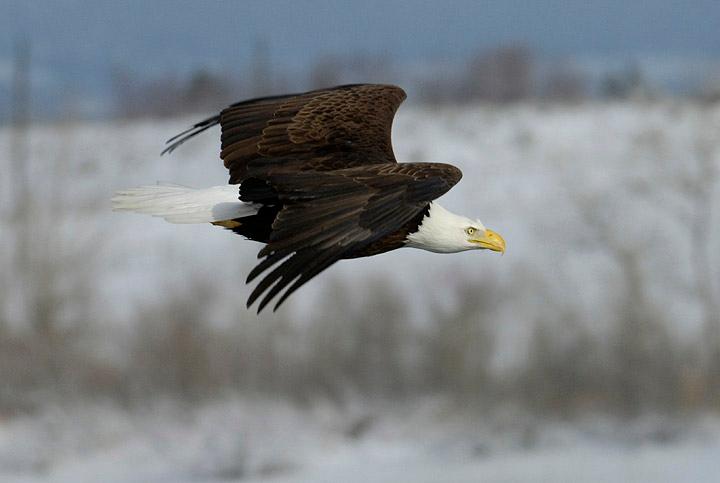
[77,43]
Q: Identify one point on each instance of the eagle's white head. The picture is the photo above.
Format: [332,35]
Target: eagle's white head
[445,232]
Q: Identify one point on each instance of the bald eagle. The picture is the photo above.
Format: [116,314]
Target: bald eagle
[313,177]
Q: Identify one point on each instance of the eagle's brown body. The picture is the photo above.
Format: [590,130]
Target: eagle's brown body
[321,167]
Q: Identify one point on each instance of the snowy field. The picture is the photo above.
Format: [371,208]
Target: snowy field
[264,441]
[573,190]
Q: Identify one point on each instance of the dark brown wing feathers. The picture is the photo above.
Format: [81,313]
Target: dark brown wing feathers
[320,130]
[328,216]
[326,158]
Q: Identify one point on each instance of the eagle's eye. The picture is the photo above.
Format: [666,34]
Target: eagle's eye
[470,230]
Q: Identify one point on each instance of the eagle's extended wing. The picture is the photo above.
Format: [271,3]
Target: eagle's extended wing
[328,216]
[321,130]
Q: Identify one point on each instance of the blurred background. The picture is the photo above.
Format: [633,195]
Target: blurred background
[589,136]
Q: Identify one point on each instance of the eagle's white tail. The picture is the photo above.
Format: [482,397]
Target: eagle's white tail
[180,204]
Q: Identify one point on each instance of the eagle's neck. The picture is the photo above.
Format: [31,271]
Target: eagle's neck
[439,231]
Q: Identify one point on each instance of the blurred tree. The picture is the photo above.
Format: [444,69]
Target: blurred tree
[19,121]
[326,72]
[202,91]
[205,91]
[564,83]
[709,90]
[560,375]
[645,365]
[624,84]
[501,75]
[646,374]
[460,346]
[701,189]
[137,96]
[261,70]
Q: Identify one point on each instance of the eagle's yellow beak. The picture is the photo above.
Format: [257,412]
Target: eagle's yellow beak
[491,241]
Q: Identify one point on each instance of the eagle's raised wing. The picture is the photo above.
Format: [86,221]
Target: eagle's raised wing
[326,158]
[327,216]
[321,130]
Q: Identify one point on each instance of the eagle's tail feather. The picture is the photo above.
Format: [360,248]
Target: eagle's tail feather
[180,204]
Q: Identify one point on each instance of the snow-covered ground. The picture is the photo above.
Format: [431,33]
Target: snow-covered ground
[570,188]
[427,441]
